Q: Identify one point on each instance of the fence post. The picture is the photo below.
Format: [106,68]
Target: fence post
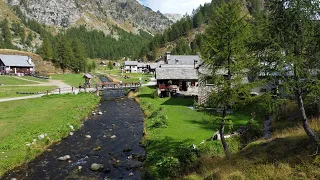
[47,92]
[59,90]
[72,89]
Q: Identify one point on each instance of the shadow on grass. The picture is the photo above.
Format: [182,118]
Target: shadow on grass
[179,101]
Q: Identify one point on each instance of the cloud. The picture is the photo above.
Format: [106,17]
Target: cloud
[173,6]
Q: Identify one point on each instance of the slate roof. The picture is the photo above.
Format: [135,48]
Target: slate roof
[176,73]
[184,59]
[15,60]
[131,63]
[141,65]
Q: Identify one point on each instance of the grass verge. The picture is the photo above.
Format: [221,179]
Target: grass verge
[9,80]
[133,77]
[23,121]
[11,91]
[73,79]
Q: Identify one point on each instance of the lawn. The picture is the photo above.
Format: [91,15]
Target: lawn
[133,77]
[9,80]
[73,79]
[11,91]
[168,145]
[35,79]
[22,121]
[184,122]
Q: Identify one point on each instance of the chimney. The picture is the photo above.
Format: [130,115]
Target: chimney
[29,60]
[167,57]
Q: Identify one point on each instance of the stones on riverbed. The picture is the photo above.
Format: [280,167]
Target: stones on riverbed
[131,174]
[129,157]
[97,167]
[97,148]
[100,113]
[71,127]
[79,168]
[113,137]
[94,113]
[116,163]
[127,150]
[64,158]
[88,136]
[71,133]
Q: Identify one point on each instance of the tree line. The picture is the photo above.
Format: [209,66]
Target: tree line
[71,47]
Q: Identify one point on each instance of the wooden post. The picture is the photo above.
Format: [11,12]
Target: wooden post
[72,89]
[59,90]
[47,92]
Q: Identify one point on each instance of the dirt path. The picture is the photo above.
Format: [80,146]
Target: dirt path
[115,143]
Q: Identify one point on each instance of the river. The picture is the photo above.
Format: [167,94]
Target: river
[115,143]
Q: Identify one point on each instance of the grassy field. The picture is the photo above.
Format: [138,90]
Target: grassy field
[35,79]
[133,77]
[11,91]
[23,121]
[73,79]
[9,80]
[168,144]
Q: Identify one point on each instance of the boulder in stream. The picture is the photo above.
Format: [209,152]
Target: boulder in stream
[113,137]
[97,167]
[64,158]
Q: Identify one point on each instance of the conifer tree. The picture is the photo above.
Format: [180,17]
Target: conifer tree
[224,55]
[6,33]
[293,31]
[46,50]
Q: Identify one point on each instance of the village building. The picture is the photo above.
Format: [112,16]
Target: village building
[131,66]
[15,64]
[177,75]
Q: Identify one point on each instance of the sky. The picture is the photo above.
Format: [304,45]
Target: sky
[173,6]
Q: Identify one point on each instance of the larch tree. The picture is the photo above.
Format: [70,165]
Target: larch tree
[293,30]
[224,55]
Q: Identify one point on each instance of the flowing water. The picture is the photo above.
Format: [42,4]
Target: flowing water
[115,143]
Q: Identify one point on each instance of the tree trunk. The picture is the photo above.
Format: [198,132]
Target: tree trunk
[221,131]
[312,136]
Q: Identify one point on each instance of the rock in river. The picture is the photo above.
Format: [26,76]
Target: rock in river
[64,158]
[97,167]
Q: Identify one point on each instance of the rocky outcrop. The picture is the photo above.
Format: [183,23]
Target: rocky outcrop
[128,14]
[174,17]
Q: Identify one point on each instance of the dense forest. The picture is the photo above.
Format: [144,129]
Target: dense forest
[71,47]
[180,32]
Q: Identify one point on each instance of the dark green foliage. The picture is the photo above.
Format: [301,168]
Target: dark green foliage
[110,65]
[46,50]
[6,35]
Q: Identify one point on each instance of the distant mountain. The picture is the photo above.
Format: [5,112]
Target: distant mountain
[96,14]
[174,17]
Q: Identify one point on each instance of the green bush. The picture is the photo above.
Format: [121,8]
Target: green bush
[168,167]
[154,95]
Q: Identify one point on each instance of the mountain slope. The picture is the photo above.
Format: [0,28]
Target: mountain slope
[97,14]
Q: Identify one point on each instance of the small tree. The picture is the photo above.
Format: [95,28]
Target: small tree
[224,55]
[110,65]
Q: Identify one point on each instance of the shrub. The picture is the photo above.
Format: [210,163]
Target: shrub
[168,167]
[154,94]
[160,121]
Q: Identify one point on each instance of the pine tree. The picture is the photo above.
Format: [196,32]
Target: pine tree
[6,33]
[46,50]
[110,65]
[224,55]
[65,54]
[80,56]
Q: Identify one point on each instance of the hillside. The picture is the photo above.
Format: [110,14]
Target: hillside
[101,15]
[184,36]
[43,67]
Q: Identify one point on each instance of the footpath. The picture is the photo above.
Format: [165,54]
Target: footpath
[64,89]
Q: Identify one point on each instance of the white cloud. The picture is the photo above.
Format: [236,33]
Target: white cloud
[174,6]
